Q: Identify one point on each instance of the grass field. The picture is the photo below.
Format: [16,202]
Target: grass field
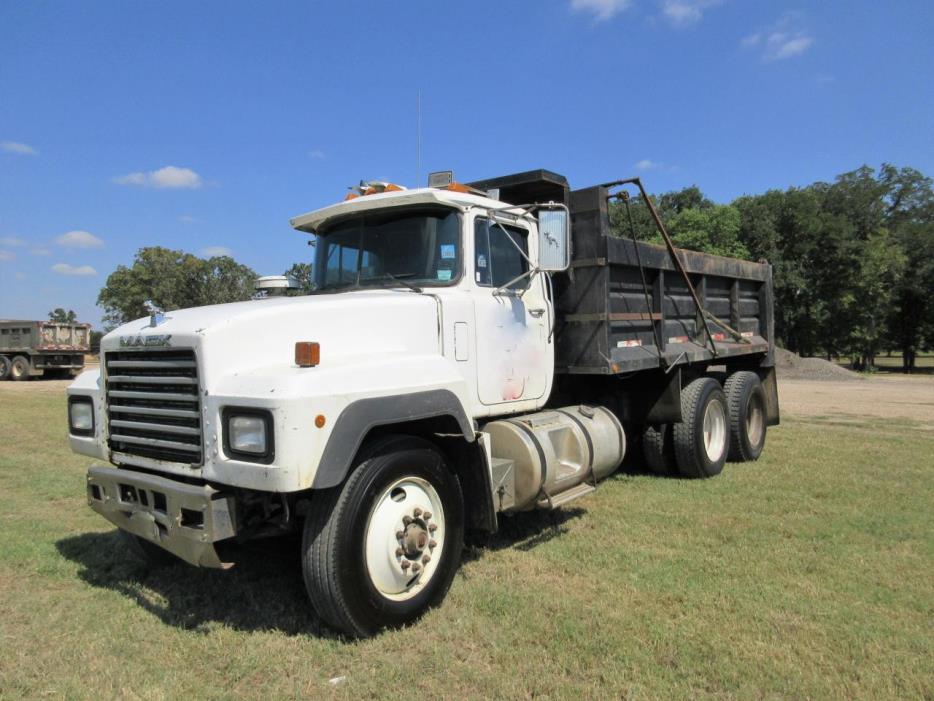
[809,574]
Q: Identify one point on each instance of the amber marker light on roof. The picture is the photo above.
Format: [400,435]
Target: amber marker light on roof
[307,354]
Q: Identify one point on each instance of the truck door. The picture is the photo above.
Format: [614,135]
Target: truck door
[515,357]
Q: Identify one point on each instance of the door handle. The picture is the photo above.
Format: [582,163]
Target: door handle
[536,312]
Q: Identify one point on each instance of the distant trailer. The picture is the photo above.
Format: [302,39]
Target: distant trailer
[30,348]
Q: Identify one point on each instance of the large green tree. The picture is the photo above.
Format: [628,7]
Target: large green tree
[60,316]
[172,280]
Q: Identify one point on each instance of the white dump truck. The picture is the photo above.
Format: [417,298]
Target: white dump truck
[467,351]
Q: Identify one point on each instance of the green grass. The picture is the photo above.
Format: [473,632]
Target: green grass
[809,574]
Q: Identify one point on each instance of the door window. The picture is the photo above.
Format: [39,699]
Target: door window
[497,260]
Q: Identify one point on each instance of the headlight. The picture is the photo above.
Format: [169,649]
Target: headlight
[80,416]
[248,434]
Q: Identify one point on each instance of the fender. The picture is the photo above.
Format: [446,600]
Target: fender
[362,415]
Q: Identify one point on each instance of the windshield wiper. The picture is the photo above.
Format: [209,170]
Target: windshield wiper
[390,277]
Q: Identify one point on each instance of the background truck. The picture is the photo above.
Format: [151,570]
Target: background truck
[469,351]
[30,348]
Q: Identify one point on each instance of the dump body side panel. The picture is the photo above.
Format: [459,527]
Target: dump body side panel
[625,306]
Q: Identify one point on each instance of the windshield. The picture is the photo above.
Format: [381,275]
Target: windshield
[400,248]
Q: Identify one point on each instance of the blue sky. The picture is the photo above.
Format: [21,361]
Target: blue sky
[205,126]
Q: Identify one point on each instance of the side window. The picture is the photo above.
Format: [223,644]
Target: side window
[497,258]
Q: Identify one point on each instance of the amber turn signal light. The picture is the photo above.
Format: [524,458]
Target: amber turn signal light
[307,354]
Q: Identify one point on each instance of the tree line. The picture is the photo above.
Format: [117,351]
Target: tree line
[853,261]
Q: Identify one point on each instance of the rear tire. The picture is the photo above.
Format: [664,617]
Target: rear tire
[746,400]
[5,366]
[701,438]
[19,370]
[359,574]
[659,450]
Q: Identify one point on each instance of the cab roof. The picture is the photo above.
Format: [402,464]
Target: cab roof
[312,221]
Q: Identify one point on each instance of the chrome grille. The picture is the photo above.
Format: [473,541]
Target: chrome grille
[153,404]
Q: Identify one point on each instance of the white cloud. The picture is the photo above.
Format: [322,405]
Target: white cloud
[601,9]
[682,13]
[783,47]
[784,39]
[18,148]
[169,177]
[6,255]
[40,251]
[646,164]
[67,269]
[79,239]
[14,241]
[212,251]
[317,154]
[187,219]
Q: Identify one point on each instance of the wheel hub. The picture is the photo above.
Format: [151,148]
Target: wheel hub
[404,535]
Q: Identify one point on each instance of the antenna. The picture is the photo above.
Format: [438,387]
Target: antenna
[418,139]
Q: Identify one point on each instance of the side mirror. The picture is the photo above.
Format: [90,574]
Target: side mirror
[554,240]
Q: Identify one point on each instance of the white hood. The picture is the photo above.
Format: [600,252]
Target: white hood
[350,326]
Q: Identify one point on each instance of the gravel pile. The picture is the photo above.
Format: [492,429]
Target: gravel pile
[792,366]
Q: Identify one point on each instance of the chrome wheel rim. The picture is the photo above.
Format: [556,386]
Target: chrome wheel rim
[714,430]
[404,538]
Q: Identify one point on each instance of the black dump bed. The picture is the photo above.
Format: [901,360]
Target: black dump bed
[610,323]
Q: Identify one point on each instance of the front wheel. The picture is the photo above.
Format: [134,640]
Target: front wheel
[383,548]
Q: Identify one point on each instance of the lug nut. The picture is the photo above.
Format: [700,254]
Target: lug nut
[405,564]
[432,543]
[400,535]
[399,552]
[416,568]
[426,559]
[406,520]
[432,527]
[427,515]
[417,512]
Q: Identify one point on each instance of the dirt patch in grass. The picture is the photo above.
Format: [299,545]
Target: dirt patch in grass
[908,399]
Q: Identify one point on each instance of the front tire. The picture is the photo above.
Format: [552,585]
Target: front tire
[383,548]
[5,366]
[701,438]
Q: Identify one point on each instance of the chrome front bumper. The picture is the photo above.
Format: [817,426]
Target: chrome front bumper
[184,519]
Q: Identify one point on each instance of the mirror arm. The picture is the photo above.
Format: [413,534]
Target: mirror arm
[504,291]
